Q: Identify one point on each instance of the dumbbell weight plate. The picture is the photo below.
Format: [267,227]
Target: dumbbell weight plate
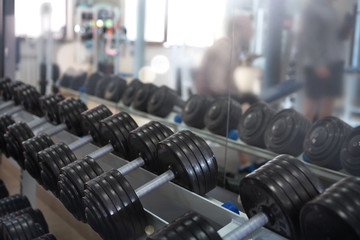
[115,205]
[310,182]
[322,145]
[142,219]
[275,203]
[206,227]
[101,86]
[91,81]
[49,105]
[31,147]
[130,92]
[199,172]
[15,135]
[115,89]
[194,229]
[91,121]
[162,101]
[195,109]
[120,195]
[142,96]
[47,236]
[253,124]
[113,221]
[70,111]
[115,126]
[207,154]
[5,121]
[350,152]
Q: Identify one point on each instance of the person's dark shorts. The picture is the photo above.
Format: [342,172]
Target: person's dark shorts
[316,87]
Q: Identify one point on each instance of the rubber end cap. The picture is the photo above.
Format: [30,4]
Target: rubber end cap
[178,118]
[233,134]
[231,206]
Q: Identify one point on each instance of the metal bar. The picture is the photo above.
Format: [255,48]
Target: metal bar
[14,110]
[129,167]
[7,104]
[37,123]
[101,151]
[2,39]
[155,183]
[55,130]
[249,227]
[80,142]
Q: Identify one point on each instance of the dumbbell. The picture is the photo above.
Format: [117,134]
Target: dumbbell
[218,117]
[350,152]
[112,206]
[3,190]
[142,146]
[254,122]
[163,101]
[323,142]
[13,203]
[273,195]
[114,129]
[115,89]
[36,215]
[195,109]
[47,236]
[23,227]
[23,94]
[190,226]
[285,133]
[49,104]
[89,119]
[335,213]
[142,96]
[70,110]
[130,92]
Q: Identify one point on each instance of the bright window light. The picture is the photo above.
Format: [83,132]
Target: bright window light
[28,16]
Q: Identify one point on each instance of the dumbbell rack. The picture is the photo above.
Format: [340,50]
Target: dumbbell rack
[162,205]
[327,175]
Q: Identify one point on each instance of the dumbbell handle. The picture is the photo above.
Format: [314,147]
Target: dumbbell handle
[254,223]
[101,151]
[130,166]
[38,122]
[15,110]
[52,131]
[81,142]
[155,183]
[7,104]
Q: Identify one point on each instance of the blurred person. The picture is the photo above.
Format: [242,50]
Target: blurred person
[321,50]
[215,76]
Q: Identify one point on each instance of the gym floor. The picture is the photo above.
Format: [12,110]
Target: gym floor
[61,223]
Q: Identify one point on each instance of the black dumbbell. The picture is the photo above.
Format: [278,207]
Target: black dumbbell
[21,94]
[47,236]
[23,227]
[190,226]
[253,124]
[285,133]
[142,145]
[163,101]
[89,120]
[350,152]
[218,119]
[13,203]
[3,190]
[130,92]
[195,109]
[47,104]
[142,96]
[115,89]
[112,206]
[19,132]
[323,142]
[50,106]
[273,195]
[91,81]
[114,129]
[335,213]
